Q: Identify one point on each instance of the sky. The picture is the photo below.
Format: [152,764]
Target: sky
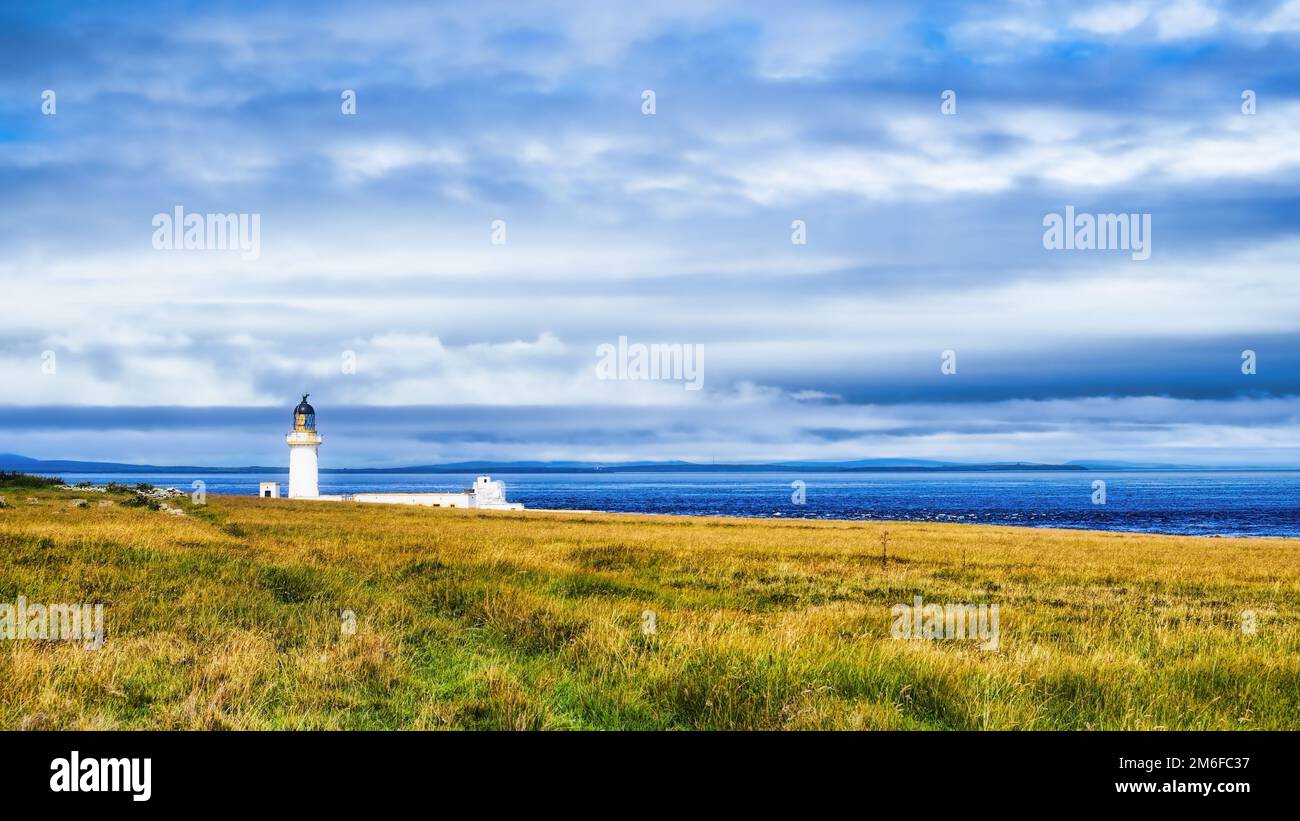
[441,266]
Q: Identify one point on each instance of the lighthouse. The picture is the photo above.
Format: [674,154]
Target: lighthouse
[303,442]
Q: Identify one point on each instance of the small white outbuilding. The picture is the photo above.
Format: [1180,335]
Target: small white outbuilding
[486,494]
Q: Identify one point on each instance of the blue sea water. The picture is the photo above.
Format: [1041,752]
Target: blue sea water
[1228,503]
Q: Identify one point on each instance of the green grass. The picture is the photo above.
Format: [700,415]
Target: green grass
[233,616]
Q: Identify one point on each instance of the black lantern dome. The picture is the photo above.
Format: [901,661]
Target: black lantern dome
[304,416]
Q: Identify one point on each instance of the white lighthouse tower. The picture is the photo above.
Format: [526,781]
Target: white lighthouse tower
[303,441]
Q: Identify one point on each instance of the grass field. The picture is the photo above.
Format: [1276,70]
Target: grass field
[233,616]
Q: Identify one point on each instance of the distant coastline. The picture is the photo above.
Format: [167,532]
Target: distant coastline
[30,465]
[26,464]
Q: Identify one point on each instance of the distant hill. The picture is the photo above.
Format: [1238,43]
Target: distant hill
[1117,465]
[12,461]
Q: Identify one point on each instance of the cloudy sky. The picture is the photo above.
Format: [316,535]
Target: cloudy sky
[378,286]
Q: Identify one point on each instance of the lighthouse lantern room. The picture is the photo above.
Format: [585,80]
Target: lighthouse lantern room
[303,442]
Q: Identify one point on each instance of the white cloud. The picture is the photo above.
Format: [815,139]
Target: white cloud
[1112,18]
[1094,151]
[371,159]
[668,228]
[1185,18]
[1284,18]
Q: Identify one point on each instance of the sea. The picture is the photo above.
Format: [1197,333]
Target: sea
[1193,502]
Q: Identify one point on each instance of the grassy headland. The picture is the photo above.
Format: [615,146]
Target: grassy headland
[233,616]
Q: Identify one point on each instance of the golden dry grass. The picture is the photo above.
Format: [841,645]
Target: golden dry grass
[232,617]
